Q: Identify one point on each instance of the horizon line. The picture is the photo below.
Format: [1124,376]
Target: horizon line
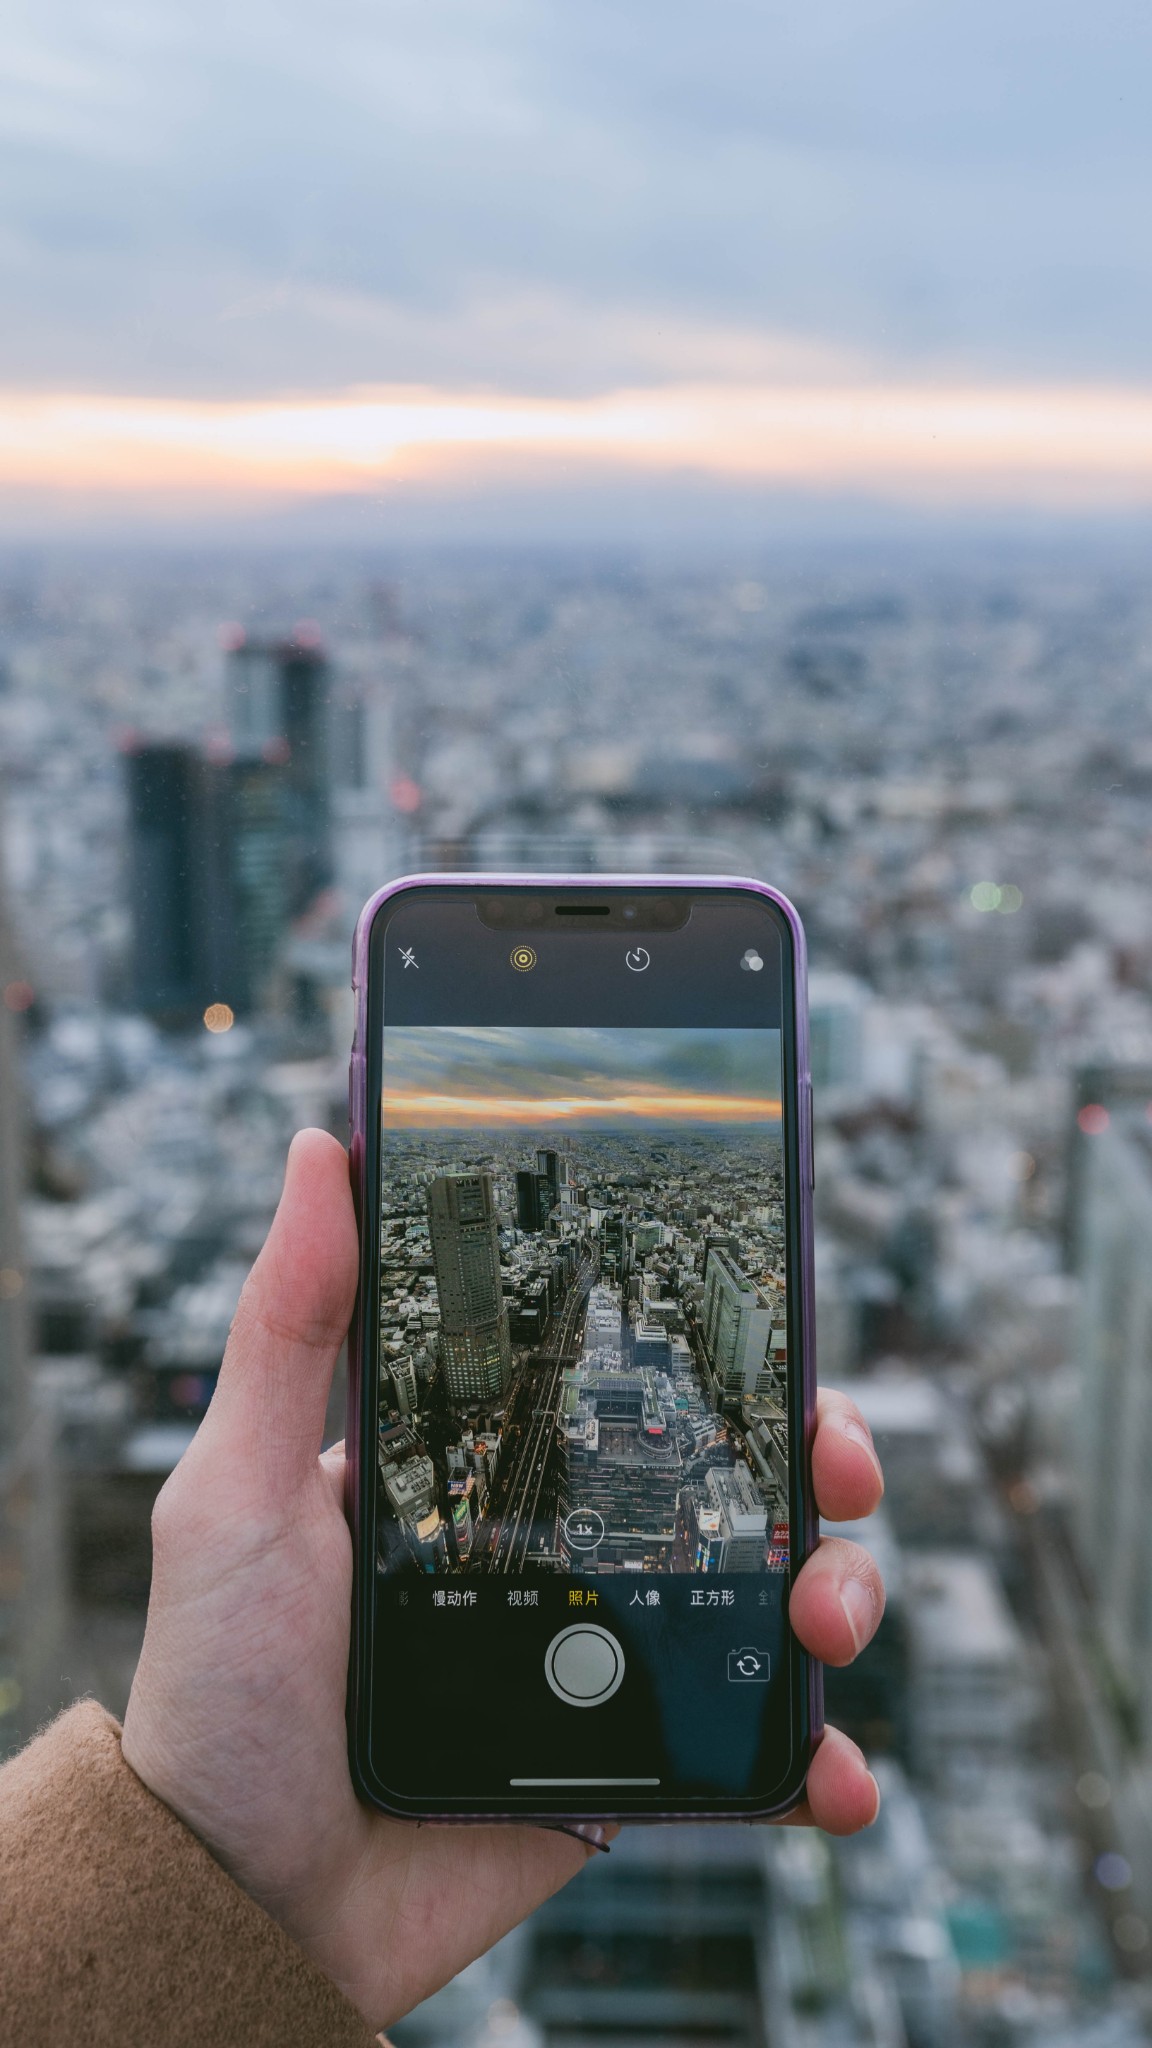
[416,1109]
[1064,445]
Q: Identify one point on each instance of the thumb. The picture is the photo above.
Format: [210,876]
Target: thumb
[291,1320]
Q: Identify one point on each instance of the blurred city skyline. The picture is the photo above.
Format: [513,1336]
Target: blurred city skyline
[948,770]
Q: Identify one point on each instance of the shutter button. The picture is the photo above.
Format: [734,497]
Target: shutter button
[584,1665]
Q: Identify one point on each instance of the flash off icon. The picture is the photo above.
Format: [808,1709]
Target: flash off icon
[523,959]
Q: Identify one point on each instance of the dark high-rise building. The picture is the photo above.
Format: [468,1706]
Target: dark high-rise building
[253,883]
[278,700]
[475,1347]
[170,870]
[552,1168]
[531,1214]
[540,1193]
[208,884]
[614,1260]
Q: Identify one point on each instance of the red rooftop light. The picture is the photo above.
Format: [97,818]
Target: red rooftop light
[406,794]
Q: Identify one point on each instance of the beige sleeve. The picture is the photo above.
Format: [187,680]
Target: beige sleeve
[118,1929]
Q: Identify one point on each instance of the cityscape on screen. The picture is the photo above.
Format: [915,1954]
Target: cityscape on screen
[583,1336]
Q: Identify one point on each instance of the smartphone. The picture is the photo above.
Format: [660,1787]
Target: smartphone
[581,1386]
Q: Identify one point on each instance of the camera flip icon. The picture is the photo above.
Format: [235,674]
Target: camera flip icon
[749,1667]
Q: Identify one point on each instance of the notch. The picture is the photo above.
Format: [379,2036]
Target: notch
[580,910]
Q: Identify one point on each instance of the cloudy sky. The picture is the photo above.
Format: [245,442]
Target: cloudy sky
[457,1077]
[303,251]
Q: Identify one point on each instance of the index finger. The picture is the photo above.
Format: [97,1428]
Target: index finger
[846,1473]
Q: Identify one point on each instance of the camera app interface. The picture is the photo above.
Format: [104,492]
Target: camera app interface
[583,1404]
[582,1313]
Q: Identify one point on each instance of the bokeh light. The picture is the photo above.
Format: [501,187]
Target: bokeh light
[406,794]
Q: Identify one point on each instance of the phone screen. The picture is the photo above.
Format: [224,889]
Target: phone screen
[584,1483]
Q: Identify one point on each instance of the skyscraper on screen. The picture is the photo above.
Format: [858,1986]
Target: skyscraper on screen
[737,1328]
[475,1347]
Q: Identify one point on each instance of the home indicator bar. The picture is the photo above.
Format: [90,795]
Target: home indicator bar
[582,1781]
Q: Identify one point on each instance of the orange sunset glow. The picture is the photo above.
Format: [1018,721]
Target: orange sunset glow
[414,1110]
[1059,444]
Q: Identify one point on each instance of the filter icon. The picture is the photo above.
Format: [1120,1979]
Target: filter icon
[751,961]
[523,959]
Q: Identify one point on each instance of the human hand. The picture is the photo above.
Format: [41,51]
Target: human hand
[236,1718]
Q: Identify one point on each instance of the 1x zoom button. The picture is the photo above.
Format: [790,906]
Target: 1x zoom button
[584,1665]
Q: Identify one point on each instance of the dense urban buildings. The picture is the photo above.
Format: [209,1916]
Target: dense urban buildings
[576,1342]
[946,763]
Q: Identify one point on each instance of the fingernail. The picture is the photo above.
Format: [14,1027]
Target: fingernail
[862,1435]
[597,1834]
[859,1610]
[876,1809]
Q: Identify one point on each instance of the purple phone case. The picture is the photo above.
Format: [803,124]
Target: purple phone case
[357,1110]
